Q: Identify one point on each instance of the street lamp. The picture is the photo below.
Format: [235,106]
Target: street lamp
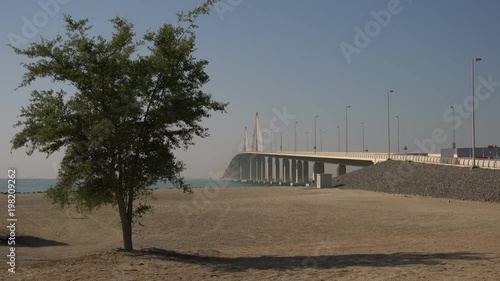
[307,141]
[474,115]
[397,117]
[338,142]
[346,134]
[315,118]
[453,145]
[295,137]
[363,136]
[388,126]
[281,138]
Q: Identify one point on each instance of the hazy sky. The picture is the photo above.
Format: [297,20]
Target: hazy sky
[269,55]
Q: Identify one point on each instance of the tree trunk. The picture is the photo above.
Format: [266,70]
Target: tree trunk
[126,225]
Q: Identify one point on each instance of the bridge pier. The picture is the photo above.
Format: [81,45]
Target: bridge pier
[298,172]
[252,168]
[255,167]
[286,170]
[341,170]
[294,171]
[245,169]
[305,174]
[262,168]
[258,170]
[318,168]
[277,169]
[269,169]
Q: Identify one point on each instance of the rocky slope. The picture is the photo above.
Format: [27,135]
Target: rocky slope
[425,180]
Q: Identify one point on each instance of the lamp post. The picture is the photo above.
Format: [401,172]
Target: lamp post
[453,145]
[295,137]
[346,131]
[307,141]
[388,126]
[287,142]
[281,138]
[315,118]
[363,136]
[397,117]
[474,115]
[338,134]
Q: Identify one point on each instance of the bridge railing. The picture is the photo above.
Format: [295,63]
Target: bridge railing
[481,163]
[380,157]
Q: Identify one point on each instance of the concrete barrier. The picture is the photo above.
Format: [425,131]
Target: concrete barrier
[482,163]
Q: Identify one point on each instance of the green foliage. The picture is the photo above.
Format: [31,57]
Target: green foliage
[136,101]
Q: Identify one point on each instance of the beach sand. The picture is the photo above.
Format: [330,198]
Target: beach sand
[278,233]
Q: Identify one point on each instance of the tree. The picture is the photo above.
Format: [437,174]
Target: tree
[135,102]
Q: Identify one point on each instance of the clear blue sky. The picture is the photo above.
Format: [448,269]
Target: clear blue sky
[267,55]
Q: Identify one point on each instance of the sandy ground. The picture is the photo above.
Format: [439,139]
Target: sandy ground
[262,234]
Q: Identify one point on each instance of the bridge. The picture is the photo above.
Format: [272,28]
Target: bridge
[293,167]
[254,164]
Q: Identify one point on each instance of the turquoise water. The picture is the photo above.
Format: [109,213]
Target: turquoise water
[25,185]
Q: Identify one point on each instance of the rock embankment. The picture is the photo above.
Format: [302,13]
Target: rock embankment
[425,180]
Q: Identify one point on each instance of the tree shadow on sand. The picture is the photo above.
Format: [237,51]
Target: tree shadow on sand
[32,242]
[242,264]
